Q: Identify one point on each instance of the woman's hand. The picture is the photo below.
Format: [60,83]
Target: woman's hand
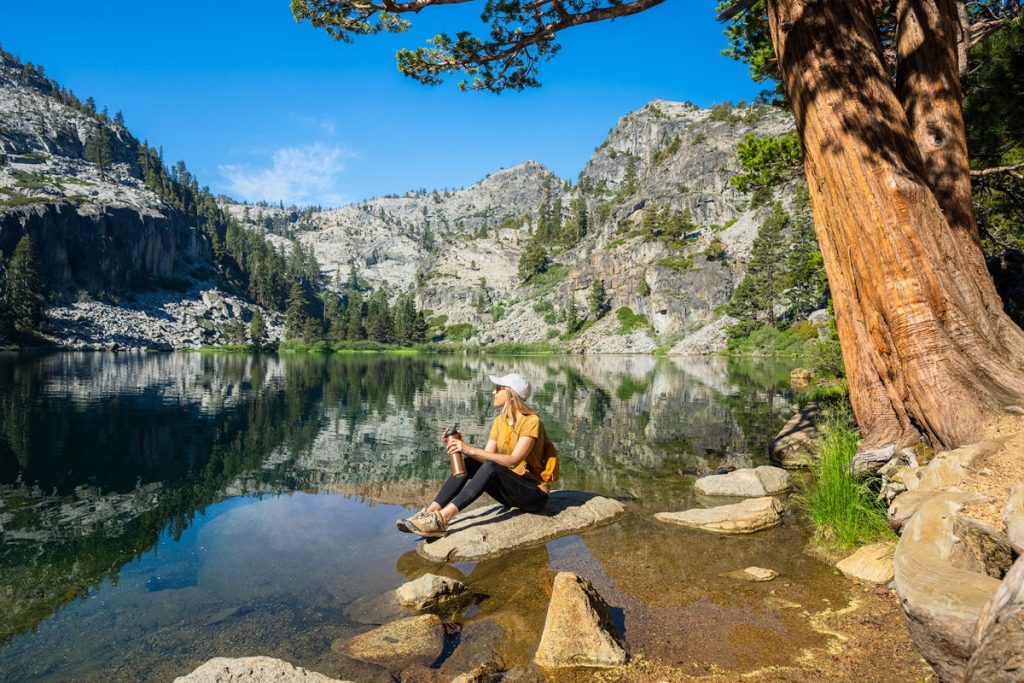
[455,445]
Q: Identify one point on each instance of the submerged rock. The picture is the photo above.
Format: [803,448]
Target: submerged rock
[746,517]
[411,638]
[495,530]
[746,483]
[870,564]
[754,574]
[431,592]
[252,670]
[578,630]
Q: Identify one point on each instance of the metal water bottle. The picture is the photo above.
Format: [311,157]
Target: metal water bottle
[455,459]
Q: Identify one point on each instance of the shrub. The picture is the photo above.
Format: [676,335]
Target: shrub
[459,332]
[630,321]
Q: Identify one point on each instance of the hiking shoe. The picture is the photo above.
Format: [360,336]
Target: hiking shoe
[429,525]
[405,525]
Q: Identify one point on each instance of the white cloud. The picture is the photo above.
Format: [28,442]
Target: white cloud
[297,175]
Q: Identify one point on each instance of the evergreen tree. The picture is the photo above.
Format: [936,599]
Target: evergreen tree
[379,322]
[99,149]
[24,290]
[572,320]
[753,303]
[599,302]
[295,315]
[257,328]
[312,331]
[575,229]
[534,260]
[805,271]
[354,328]
[234,330]
[420,328]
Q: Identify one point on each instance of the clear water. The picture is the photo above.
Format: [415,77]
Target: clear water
[159,510]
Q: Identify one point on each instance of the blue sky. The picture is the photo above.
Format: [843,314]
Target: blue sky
[260,107]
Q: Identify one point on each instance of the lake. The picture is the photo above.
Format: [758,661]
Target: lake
[158,510]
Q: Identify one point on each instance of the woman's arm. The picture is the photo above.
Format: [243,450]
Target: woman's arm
[512,459]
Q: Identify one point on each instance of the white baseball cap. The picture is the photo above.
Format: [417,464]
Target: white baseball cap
[515,382]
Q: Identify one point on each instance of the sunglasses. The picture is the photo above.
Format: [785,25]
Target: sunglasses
[497,389]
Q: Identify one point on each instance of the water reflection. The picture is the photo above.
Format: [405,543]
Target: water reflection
[170,472]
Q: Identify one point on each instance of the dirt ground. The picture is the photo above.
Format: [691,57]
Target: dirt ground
[999,472]
[867,642]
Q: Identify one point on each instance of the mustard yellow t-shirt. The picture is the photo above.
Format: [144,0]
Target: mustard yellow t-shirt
[541,463]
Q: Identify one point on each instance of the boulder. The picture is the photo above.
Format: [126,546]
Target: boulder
[753,574]
[410,638]
[870,564]
[797,443]
[1013,517]
[800,378]
[431,592]
[746,483]
[745,517]
[252,670]
[578,630]
[495,530]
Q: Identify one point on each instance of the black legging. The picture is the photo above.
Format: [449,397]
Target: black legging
[501,483]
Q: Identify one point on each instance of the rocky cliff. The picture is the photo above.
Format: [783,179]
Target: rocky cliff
[126,267]
[459,250]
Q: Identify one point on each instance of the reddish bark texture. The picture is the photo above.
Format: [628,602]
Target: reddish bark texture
[927,347]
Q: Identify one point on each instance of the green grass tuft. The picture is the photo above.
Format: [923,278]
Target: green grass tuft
[845,511]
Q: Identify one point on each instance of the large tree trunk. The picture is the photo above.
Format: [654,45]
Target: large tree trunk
[926,351]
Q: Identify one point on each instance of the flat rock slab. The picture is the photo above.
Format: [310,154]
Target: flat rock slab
[750,482]
[495,530]
[1013,517]
[413,637]
[870,564]
[252,670]
[741,518]
[753,574]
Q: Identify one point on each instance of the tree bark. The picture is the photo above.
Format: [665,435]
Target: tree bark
[926,354]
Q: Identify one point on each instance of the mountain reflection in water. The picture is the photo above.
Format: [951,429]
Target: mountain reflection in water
[177,476]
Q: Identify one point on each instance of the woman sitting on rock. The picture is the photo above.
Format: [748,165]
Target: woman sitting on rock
[515,467]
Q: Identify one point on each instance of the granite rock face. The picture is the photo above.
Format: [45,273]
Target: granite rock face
[496,530]
[252,670]
[747,483]
[746,517]
[578,630]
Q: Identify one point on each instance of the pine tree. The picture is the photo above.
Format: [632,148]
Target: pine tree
[354,329]
[420,328]
[257,328]
[99,149]
[599,302]
[234,330]
[24,290]
[312,331]
[379,323]
[295,315]
[753,303]
[572,320]
[534,259]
